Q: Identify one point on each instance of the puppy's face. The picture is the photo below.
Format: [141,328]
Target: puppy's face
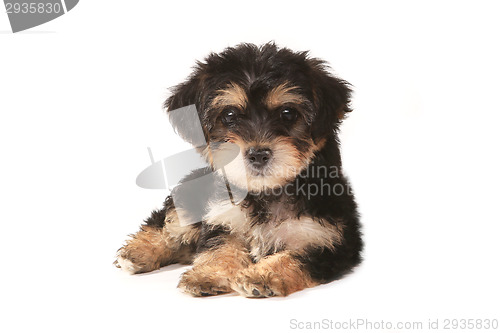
[271,125]
[276,106]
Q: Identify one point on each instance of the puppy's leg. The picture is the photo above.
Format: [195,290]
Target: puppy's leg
[215,268]
[160,242]
[279,274]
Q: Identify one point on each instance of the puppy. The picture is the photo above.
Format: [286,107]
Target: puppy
[296,225]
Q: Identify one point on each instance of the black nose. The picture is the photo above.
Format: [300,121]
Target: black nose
[259,157]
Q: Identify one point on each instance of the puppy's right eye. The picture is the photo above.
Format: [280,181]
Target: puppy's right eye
[228,116]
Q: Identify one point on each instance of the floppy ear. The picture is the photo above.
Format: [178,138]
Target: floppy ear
[184,108]
[331,97]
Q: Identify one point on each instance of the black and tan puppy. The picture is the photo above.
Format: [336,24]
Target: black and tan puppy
[298,225]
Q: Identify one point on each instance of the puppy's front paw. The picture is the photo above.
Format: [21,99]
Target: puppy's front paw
[125,263]
[198,284]
[254,283]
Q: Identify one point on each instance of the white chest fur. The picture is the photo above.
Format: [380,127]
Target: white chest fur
[293,234]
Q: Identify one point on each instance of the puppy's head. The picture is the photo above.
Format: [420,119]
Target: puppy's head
[277,106]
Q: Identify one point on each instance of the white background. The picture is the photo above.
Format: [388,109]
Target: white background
[80,102]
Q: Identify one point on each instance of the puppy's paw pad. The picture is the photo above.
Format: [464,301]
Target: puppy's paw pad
[199,285]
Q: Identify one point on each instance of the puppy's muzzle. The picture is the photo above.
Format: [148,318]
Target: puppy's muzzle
[259,157]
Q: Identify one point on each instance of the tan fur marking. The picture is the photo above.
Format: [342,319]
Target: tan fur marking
[233,95]
[146,251]
[213,270]
[151,248]
[277,275]
[177,231]
[283,94]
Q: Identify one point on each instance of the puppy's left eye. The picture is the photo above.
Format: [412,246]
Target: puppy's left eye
[288,115]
